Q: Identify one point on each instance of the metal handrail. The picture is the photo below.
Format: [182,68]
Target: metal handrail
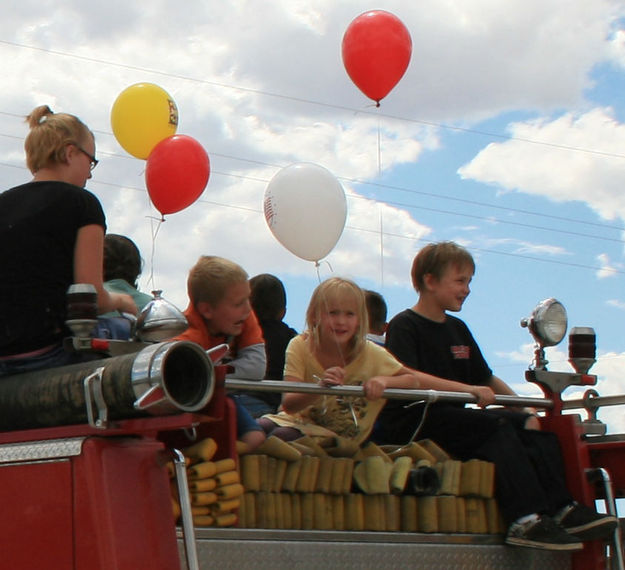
[594,402]
[430,396]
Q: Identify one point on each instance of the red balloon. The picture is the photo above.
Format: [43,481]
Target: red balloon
[376,52]
[176,173]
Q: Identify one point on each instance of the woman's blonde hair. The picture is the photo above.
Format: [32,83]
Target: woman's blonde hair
[49,135]
[337,289]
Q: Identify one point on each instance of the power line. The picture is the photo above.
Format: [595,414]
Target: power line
[499,221]
[352,110]
[334,106]
[358,181]
[404,205]
[390,234]
[421,193]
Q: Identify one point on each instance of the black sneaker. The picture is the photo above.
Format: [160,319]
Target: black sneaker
[585,523]
[542,533]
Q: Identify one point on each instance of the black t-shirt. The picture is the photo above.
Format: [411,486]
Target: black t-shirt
[277,335]
[39,222]
[447,350]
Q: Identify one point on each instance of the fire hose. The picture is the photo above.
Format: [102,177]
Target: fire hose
[164,378]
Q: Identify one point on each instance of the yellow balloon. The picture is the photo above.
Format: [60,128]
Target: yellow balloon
[143,115]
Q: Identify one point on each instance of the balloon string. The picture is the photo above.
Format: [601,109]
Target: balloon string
[381,248]
[379,150]
[152,254]
[342,356]
[318,264]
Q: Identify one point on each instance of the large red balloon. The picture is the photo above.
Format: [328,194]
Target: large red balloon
[176,173]
[376,52]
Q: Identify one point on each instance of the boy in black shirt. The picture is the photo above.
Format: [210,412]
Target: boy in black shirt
[530,482]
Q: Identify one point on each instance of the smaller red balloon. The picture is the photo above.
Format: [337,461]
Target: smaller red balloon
[376,52]
[176,173]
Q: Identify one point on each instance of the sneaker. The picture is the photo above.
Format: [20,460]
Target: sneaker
[543,533]
[585,523]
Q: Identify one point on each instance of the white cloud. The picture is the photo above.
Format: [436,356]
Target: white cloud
[526,247]
[609,370]
[608,269]
[616,49]
[549,167]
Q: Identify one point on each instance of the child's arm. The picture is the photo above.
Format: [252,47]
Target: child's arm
[404,378]
[484,394]
[250,363]
[500,387]
[415,379]
[292,402]
[88,253]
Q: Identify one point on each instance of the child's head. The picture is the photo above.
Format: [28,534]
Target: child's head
[376,311]
[334,294]
[268,297]
[435,258]
[122,259]
[219,290]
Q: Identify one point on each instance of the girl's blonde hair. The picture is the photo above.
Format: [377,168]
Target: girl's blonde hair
[337,289]
[49,135]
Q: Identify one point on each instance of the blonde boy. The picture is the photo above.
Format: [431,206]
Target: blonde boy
[220,312]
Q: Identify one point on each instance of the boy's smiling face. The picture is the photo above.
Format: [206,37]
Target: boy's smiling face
[450,291]
[229,314]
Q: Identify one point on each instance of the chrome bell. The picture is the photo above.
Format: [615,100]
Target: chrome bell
[159,320]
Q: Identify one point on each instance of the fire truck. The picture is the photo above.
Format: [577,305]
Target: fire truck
[84,449]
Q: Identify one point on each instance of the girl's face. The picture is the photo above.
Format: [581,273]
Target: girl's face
[338,321]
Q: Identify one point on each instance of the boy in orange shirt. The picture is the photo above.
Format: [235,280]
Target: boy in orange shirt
[220,312]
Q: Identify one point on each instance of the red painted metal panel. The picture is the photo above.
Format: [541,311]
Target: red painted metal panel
[577,459]
[36,529]
[123,515]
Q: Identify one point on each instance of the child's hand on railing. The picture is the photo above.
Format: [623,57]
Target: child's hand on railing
[374,387]
[333,376]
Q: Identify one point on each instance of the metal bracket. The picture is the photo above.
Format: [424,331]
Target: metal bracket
[94,398]
[191,433]
[218,353]
[601,474]
[557,382]
[592,425]
[190,546]
[154,396]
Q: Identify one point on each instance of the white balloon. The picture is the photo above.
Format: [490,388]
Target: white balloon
[305,209]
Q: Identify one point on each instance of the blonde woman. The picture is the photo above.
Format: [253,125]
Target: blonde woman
[51,235]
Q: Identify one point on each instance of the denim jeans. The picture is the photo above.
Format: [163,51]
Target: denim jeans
[255,406]
[115,328]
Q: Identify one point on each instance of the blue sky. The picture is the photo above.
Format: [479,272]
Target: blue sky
[506,134]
